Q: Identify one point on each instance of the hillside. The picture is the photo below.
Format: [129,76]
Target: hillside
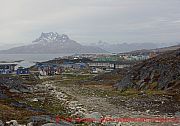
[157,50]
[125,47]
[53,43]
[161,72]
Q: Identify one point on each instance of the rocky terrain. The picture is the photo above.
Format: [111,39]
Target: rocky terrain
[159,73]
[94,100]
[26,101]
[69,97]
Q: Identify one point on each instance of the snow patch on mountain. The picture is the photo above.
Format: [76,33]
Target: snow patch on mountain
[51,37]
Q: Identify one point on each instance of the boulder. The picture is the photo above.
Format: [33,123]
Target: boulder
[30,124]
[12,123]
[94,116]
[14,91]
[125,83]
[58,124]
[161,72]
[1,123]
[177,114]
[2,95]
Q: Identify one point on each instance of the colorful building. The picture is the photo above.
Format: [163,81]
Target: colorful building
[22,71]
[7,68]
[48,69]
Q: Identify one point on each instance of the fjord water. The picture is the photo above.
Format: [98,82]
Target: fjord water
[29,59]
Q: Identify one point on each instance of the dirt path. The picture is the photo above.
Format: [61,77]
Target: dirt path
[91,102]
[83,101]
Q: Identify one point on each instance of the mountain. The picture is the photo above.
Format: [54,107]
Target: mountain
[160,73]
[8,46]
[53,43]
[125,47]
[175,47]
[157,50]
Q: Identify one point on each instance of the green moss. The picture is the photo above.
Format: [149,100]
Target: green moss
[153,85]
[129,93]
[155,92]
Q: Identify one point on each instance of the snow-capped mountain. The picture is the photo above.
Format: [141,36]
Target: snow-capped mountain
[52,37]
[54,43]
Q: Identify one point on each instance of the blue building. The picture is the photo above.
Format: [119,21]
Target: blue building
[7,68]
[22,71]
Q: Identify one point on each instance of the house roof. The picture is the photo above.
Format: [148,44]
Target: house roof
[14,64]
[113,62]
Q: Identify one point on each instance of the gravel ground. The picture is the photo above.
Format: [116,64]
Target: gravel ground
[86,100]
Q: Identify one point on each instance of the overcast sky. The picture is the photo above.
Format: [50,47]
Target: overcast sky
[88,21]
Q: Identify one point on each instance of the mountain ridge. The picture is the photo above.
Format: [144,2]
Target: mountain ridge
[124,47]
[53,43]
[129,47]
[156,50]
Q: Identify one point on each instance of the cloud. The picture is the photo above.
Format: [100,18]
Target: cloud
[91,20]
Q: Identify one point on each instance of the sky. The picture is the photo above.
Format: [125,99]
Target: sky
[88,21]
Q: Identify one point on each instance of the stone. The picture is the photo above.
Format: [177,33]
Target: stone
[124,83]
[177,114]
[147,111]
[161,72]
[79,114]
[14,91]
[51,124]
[1,123]
[30,124]
[3,96]
[142,93]
[42,119]
[94,116]
[35,100]
[12,123]
[58,124]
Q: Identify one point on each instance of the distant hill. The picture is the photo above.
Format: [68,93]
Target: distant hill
[161,72]
[125,47]
[157,50]
[53,43]
[175,47]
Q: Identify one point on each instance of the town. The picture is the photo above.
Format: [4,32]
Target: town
[77,63]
